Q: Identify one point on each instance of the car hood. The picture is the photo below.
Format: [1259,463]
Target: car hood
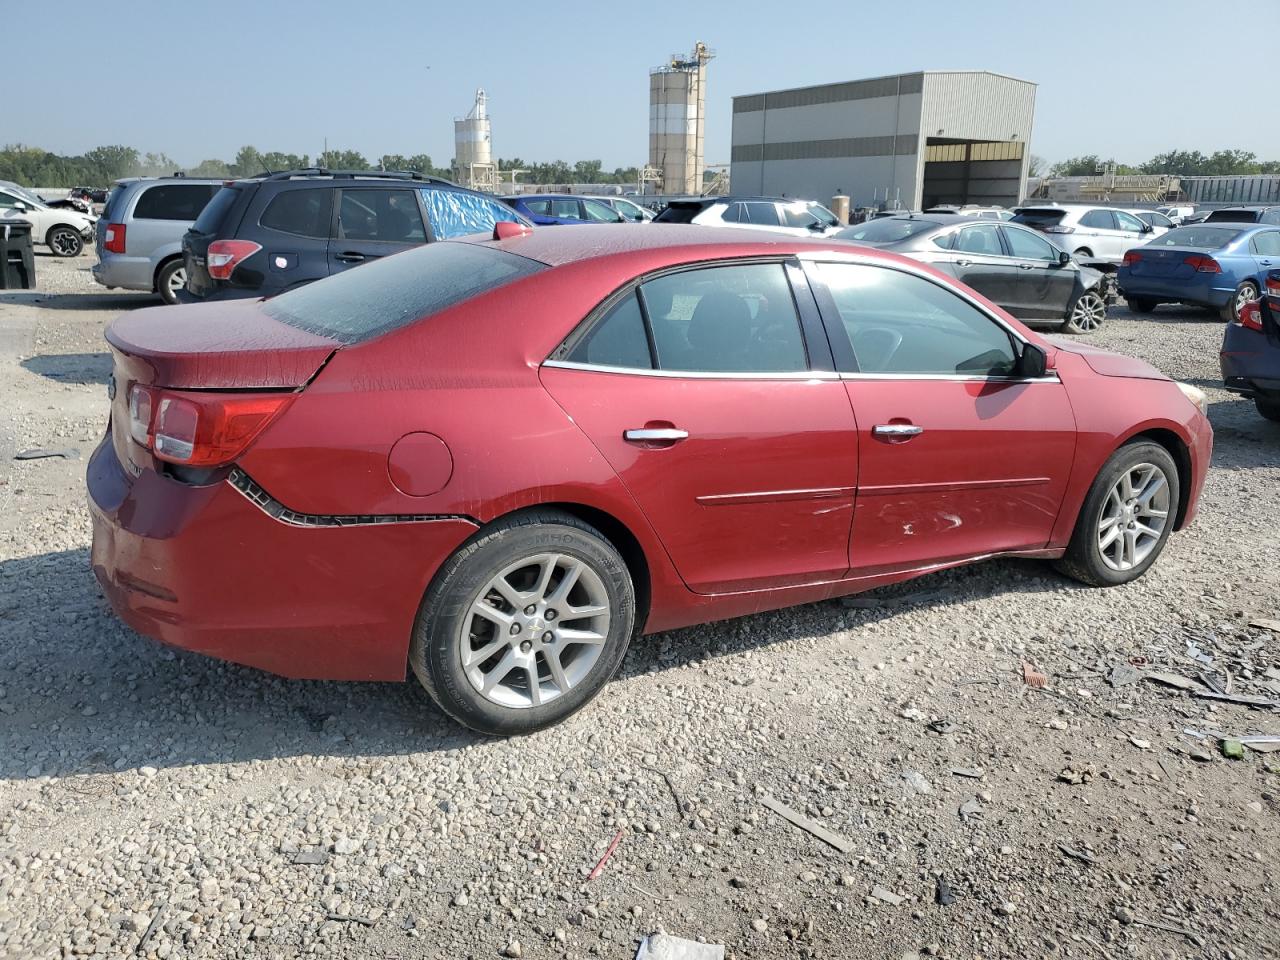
[1108,364]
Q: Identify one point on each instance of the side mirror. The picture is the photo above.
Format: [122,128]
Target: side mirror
[1033,362]
[19,205]
[817,225]
[1148,228]
[1064,258]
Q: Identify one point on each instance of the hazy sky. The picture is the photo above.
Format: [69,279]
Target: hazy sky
[566,81]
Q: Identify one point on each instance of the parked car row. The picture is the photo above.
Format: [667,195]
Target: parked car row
[63,230]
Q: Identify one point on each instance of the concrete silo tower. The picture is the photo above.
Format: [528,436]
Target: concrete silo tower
[677,111]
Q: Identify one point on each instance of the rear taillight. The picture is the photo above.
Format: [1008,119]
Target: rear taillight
[1131,257]
[225,255]
[1249,316]
[1058,229]
[1273,284]
[113,240]
[200,429]
[1202,264]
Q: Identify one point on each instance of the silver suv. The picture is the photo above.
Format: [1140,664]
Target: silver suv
[1090,234]
[139,235]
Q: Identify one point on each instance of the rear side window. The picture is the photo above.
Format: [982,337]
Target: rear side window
[303,213]
[618,339]
[215,210]
[1039,218]
[381,216]
[1098,220]
[173,201]
[984,240]
[1267,244]
[679,213]
[456,214]
[764,214]
[540,207]
[565,209]
[113,200]
[392,292]
[1232,216]
[1270,216]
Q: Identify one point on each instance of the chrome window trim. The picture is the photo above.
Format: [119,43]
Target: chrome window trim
[953,377]
[692,374]
[829,256]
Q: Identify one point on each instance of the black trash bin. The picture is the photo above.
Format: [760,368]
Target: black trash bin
[17,259]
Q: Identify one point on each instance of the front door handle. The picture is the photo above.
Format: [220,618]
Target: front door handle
[349,257]
[1026,266]
[659,434]
[897,432]
[963,263]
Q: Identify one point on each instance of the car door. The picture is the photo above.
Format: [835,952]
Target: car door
[374,222]
[1044,286]
[41,219]
[1264,247]
[959,456]
[979,261]
[597,212]
[1130,232]
[295,227]
[1096,231]
[726,423]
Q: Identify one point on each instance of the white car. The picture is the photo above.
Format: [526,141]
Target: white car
[64,231]
[1157,221]
[797,218]
[630,211]
[1090,234]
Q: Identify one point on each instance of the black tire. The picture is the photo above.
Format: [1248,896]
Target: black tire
[1141,305]
[1268,407]
[1086,314]
[1083,560]
[435,652]
[167,277]
[1084,253]
[65,242]
[1246,291]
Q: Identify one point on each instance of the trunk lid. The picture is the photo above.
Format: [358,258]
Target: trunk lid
[1166,261]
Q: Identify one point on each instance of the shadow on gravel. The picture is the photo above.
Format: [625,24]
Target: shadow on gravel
[71,367]
[81,301]
[81,693]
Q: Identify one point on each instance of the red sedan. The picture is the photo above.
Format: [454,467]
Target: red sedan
[497,460]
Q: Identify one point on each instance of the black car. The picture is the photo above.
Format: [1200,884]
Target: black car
[1010,265]
[264,235]
[1251,350]
[1252,214]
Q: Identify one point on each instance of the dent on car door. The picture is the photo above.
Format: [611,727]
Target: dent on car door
[1046,286]
[723,420]
[959,457]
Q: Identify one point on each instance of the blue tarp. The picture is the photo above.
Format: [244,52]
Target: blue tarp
[456,214]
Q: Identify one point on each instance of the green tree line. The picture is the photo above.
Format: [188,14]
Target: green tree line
[1185,163]
[34,167]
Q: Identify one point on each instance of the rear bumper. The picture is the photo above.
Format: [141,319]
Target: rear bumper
[205,569]
[127,273]
[1202,293]
[1250,363]
[216,294]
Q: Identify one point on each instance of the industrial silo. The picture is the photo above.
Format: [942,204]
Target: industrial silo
[473,148]
[677,108]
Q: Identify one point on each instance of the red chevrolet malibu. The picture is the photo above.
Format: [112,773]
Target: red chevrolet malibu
[496,460]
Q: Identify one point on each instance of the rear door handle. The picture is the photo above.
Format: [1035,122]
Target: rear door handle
[349,257]
[897,431]
[1265,263]
[649,434]
[963,263]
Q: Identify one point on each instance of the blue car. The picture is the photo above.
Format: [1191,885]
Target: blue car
[547,209]
[1251,350]
[1214,265]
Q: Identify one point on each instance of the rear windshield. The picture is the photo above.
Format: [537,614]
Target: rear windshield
[113,200]
[887,230]
[1039,218]
[1198,236]
[390,293]
[213,212]
[1232,216]
[679,213]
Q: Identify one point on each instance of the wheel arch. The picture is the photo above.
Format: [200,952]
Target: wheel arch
[164,262]
[1181,454]
[59,226]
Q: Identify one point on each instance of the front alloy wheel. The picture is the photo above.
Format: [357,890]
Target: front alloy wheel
[65,242]
[1087,313]
[524,623]
[1133,517]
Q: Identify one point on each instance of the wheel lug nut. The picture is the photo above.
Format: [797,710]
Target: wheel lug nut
[530,610]
[525,646]
[551,614]
[515,628]
[548,637]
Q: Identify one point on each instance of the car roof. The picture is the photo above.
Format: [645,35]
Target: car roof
[570,244]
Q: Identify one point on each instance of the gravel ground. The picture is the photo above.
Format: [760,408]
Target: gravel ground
[158,803]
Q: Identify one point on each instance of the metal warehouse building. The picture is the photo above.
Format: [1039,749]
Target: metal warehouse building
[911,141]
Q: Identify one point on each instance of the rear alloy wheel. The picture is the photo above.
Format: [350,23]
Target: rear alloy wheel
[65,242]
[524,624]
[1087,313]
[1140,305]
[1126,518]
[1268,407]
[171,279]
[1244,293]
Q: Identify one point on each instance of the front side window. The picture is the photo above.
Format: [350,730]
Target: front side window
[8,201]
[303,213]
[540,207]
[1128,221]
[601,212]
[173,201]
[456,214]
[735,213]
[983,240]
[731,319]
[382,216]
[900,323]
[629,210]
[1029,246]
[798,215]
[1098,220]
